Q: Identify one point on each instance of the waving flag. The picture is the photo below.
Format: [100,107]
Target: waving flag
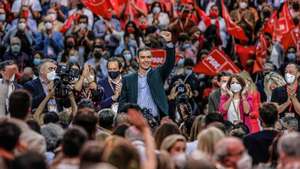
[261,53]
[68,23]
[216,61]
[232,28]
[283,24]
[100,7]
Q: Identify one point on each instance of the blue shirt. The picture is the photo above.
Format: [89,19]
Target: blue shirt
[145,99]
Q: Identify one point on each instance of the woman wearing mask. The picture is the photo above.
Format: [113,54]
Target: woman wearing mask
[158,17]
[87,88]
[236,105]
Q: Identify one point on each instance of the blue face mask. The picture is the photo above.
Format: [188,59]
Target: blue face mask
[36,61]
[291,56]
[73,59]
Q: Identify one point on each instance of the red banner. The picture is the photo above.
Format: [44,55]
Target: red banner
[159,57]
[215,62]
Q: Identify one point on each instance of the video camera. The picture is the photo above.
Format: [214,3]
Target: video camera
[62,82]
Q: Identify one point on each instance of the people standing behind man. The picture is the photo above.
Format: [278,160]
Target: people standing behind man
[288,96]
[112,84]
[146,87]
[40,86]
[8,69]
[215,97]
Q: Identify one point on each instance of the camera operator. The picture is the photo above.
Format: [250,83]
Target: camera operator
[87,88]
[181,102]
[8,69]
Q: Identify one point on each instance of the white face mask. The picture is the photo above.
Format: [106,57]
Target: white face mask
[51,75]
[245,162]
[82,26]
[156,10]
[289,78]
[21,26]
[235,87]
[48,25]
[243,5]
[53,16]
[179,160]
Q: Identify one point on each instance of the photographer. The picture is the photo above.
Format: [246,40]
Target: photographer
[181,102]
[8,69]
[87,88]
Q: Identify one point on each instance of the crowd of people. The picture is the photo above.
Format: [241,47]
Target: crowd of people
[82,91]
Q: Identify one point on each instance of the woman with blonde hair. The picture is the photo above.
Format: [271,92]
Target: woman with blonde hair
[253,92]
[207,139]
[271,81]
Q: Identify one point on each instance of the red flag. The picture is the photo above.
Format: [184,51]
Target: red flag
[99,7]
[268,27]
[232,28]
[68,23]
[216,61]
[186,1]
[245,53]
[261,53]
[283,24]
[130,11]
[292,38]
[206,19]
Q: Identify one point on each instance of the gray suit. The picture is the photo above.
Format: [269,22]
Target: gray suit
[214,101]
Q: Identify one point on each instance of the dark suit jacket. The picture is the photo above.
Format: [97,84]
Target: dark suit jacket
[155,78]
[36,89]
[214,101]
[258,145]
[106,100]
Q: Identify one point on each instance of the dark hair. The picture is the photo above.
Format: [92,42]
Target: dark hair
[240,130]
[213,117]
[188,62]
[50,117]
[239,79]
[268,114]
[222,74]
[87,119]
[106,118]
[85,103]
[34,125]
[29,160]
[91,153]
[120,130]
[163,131]
[114,59]
[128,106]
[9,135]
[73,140]
[83,17]
[154,4]
[142,50]
[19,104]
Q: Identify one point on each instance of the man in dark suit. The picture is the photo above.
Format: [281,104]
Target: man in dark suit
[40,87]
[112,84]
[258,143]
[146,87]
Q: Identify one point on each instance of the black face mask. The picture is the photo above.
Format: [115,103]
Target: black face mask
[266,14]
[296,20]
[113,74]
[70,45]
[97,55]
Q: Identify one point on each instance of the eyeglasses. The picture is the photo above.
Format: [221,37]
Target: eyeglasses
[52,68]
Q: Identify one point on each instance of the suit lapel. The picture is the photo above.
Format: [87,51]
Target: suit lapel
[134,85]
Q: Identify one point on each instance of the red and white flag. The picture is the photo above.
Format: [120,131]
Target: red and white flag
[215,62]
